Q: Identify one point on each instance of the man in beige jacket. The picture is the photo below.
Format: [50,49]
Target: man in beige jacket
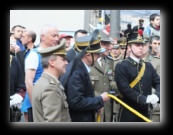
[48,98]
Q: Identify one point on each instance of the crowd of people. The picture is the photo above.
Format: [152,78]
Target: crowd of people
[54,82]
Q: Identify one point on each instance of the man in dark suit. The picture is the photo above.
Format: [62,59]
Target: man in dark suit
[137,92]
[83,105]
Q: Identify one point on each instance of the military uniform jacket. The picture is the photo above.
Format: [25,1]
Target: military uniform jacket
[100,78]
[113,62]
[126,72]
[80,95]
[155,61]
[101,83]
[49,100]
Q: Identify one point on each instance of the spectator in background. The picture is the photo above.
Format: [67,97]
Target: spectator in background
[28,39]
[154,48]
[122,33]
[100,24]
[15,36]
[139,26]
[14,48]
[67,39]
[154,27]
[71,54]
[128,30]
[49,36]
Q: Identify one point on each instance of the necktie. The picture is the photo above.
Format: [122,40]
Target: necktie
[103,64]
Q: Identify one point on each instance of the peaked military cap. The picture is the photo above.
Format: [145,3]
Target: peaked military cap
[116,46]
[82,42]
[104,37]
[122,41]
[58,49]
[136,37]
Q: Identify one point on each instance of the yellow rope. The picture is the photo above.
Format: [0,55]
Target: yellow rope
[98,117]
[129,108]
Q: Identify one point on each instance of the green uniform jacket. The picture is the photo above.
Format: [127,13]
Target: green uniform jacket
[100,81]
[155,61]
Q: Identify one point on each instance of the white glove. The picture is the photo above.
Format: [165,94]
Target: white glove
[19,105]
[153,99]
[154,105]
[16,100]
[148,99]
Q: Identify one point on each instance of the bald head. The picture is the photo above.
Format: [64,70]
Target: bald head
[31,34]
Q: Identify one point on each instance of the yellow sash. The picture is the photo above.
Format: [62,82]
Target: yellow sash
[132,84]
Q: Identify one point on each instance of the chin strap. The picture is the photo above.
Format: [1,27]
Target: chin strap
[92,59]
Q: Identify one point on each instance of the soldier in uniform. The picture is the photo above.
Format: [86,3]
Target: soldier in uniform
[123,45]
[83,102]
[102,74]
[116,56]
[155,61]
[49,102]
[137,93]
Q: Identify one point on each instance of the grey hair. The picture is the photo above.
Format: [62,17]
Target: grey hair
[45,60]
[46,28]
